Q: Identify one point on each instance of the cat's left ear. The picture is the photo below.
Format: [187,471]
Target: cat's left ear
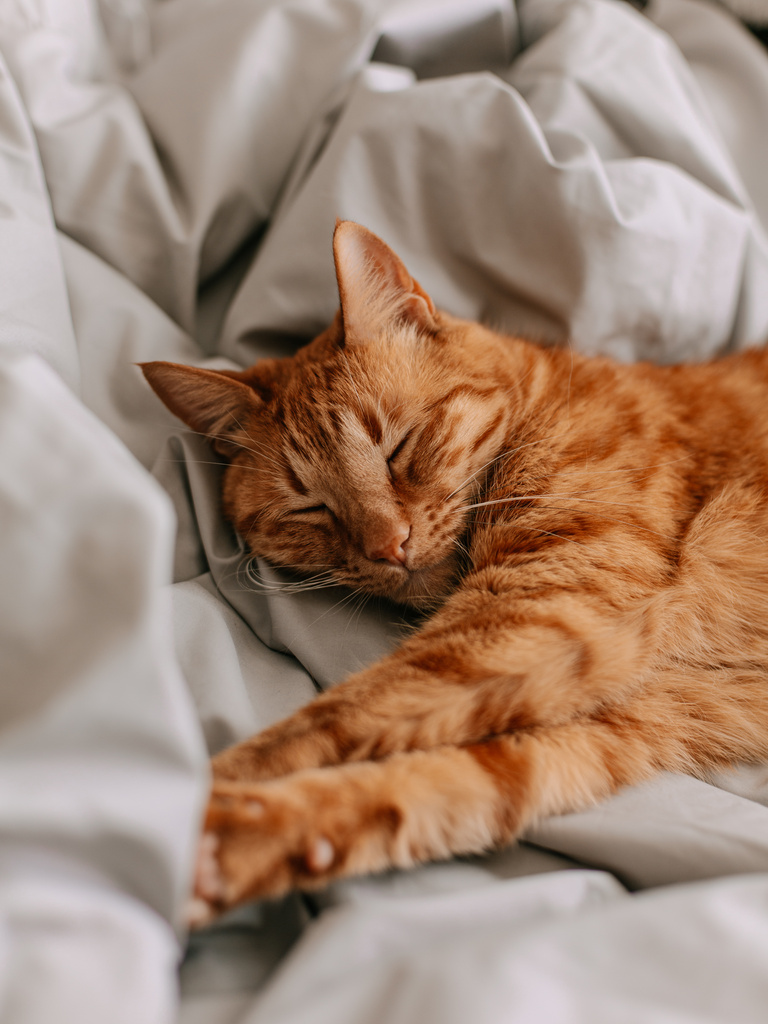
[212,402]
[375,288]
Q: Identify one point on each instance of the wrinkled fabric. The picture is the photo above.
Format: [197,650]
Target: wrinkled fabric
[171,172]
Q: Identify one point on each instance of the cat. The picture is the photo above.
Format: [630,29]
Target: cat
[586,540]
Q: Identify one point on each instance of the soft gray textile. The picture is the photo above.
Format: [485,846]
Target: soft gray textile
[170,176]
[753,11]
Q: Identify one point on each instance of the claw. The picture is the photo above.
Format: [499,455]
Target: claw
[320,855]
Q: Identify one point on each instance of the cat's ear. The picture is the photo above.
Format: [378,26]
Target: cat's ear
[375,288]
[212,402]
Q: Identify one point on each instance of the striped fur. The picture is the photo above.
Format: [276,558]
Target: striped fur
[589,540]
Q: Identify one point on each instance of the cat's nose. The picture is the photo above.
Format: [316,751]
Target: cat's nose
[390,548]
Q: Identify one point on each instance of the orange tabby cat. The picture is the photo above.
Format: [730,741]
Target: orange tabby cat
[590,538]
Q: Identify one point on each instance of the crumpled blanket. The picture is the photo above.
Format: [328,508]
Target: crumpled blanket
[572,170]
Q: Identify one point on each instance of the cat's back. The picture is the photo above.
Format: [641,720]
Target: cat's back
[640,447]
[717,409]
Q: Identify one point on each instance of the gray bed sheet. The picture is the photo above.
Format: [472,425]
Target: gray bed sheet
[170,174]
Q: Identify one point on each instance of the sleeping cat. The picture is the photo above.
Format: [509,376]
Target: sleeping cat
[589,539]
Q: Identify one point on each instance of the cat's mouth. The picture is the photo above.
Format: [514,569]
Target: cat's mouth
[425,587]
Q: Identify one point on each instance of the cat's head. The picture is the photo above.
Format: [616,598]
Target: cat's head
[357,456]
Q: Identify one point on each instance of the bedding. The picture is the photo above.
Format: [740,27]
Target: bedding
[574,170]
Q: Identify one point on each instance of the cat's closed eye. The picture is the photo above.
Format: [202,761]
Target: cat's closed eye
[310,508]
[397,449]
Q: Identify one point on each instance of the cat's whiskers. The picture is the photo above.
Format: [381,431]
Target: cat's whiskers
[289,588]
[236,444]
[317,576]
[560,536]
[236,574]
[287,591]
[243,572]
[570,380]
[496,458]
[573,495]
[625,469]
[319,581]
[461,546]
[259,449]
[577,495]
[207,462]
[348,597]
[363,599]
[563,508]
[518,381]
[612,519]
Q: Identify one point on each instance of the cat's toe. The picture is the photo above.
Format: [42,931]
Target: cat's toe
[209,884]
[198,913]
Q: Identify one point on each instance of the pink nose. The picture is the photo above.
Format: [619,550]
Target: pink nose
[390,549]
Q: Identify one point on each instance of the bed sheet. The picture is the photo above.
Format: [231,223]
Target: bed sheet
[572,170]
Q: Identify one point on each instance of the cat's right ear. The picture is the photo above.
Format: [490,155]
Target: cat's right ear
[375,289]
[212,402]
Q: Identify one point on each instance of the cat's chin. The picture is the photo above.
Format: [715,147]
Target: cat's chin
[425,589]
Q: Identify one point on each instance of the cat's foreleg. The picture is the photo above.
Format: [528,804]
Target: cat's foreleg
[305,830]
[484,665]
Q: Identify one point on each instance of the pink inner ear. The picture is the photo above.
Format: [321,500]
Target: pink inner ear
[375,288]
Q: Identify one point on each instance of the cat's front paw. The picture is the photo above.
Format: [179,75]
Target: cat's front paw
[208,883]
[259,840]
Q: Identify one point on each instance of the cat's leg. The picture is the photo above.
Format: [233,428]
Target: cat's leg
[484,665]
[307,829]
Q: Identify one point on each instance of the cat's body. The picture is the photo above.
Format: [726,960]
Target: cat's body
[591,535]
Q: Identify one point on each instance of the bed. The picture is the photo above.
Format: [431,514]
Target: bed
[573,170]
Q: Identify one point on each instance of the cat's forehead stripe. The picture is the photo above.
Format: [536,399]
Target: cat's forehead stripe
[372,424]
[294,480]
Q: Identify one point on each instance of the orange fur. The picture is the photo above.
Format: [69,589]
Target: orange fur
[588,537]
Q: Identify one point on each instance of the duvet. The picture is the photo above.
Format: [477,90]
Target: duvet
[170,174]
